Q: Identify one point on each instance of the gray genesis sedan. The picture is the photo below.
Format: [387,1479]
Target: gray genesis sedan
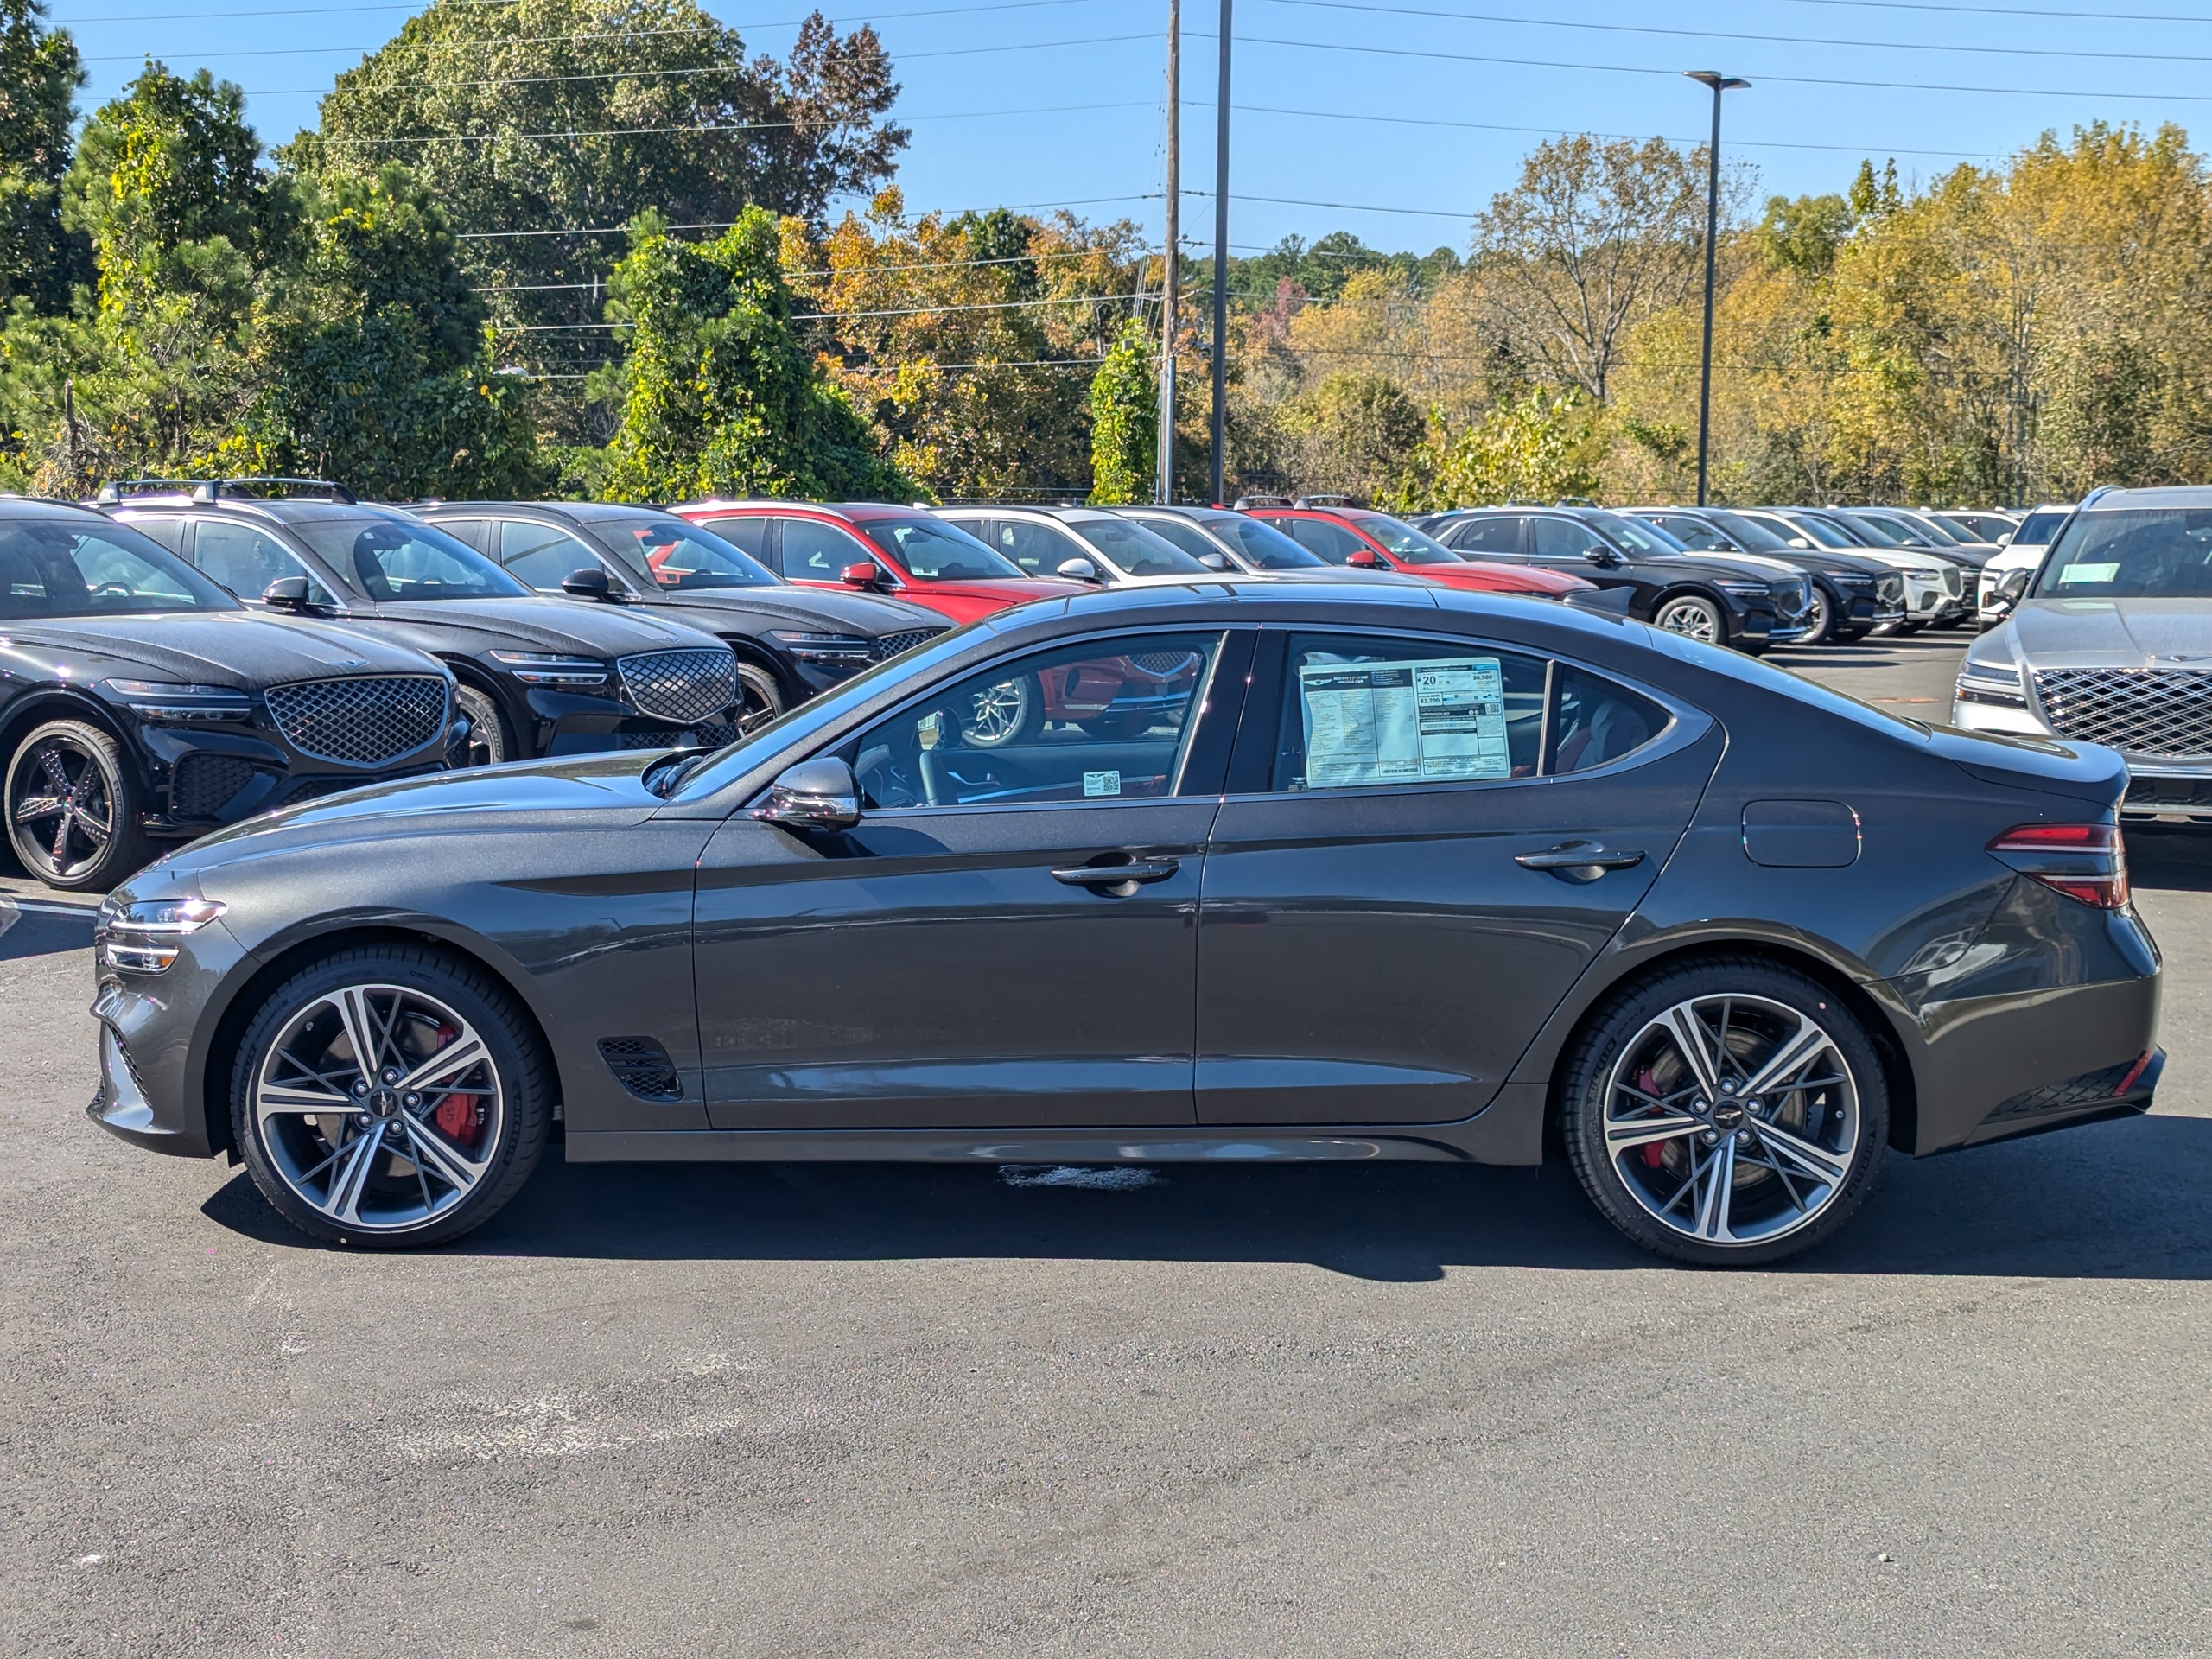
[2112,643]
[1369,871]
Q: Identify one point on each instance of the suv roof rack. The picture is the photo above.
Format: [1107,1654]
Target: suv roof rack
[1327,499]
[213,489]
[1246,503]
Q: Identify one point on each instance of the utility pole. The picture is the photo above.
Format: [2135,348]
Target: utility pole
[1720,84]
[1170,287]
[1221,267]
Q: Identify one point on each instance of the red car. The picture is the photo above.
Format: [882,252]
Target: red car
[885,549]
[1365,539]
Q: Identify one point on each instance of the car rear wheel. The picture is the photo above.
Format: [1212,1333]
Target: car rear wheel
[1695,617]
[1726,1112]
[74,808]
[489,742]
[388,1096]
[1010,712]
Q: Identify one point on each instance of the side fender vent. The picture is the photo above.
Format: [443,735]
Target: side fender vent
[642,1066]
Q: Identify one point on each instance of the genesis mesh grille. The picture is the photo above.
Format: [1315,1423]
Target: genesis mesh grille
[2160,711]
[2091,1089]
[1954,581]
[205,783]
[642,1066]
[359,722]
[891,644]
[684,685]
[1163,662]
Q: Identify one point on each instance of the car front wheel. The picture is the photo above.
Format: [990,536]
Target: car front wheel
[1820,620]
[488,742]
[388,1096]
[74,807]
[1697,618]
[1725,1112]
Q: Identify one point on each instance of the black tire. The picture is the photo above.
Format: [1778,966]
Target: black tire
[1762,990]
[761,698]
[1693,616]
[1821,627]
[73,806]
[274,1147]
[491,740]
[999,716]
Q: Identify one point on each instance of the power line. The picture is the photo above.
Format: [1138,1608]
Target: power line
[1732,34]
[695,28]
[723,225]
[2006,11]
[734,126]
[994,305]
[1340,206]
[937,52]
[852,272]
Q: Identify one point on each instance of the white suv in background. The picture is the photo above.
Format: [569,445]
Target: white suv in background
[2023,552]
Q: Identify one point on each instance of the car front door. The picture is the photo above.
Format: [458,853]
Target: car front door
[1007,936]
[1424,843]
[1564,544]
[246,560]
[542,557]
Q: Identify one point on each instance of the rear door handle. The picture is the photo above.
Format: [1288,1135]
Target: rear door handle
[1579,860]
[1114,875]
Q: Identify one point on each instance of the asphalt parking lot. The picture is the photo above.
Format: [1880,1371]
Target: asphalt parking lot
[1401,1409]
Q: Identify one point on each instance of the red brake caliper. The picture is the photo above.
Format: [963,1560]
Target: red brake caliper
[456,1115]
[1649,1085]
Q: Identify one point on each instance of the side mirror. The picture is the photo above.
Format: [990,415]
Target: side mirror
[287,594]
[861,575]
[590,582]
[2005,540]
[1799,541]
[1219,561]
[1367,558]
[1080,570]
[1603,558]
[818,794]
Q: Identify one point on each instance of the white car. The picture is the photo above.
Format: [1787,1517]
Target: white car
[2023,552]
[2112,643]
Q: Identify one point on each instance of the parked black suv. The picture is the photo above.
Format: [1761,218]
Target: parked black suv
[1747,603]
[141,702]
[791,642]
[537,676]
[1852,596]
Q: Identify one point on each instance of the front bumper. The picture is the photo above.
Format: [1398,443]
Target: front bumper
[204,777]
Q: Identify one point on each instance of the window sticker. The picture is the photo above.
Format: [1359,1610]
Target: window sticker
[1429,722]
[1102,782]
[2089,573]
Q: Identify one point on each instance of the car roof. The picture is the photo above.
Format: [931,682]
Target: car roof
[41,506]
[574,512]
[1065,515]
[278,510]
[2169,495]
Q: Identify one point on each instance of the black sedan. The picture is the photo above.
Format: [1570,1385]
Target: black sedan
[536,676]
[1750,604]
[1852,596]
[791,641]
[141,704]
[1404,872]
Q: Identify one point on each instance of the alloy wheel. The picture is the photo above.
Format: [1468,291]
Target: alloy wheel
[61,809]
[999,714]
[1732,1120]
[379,1107]
[1694,618]
[487,731]
[1820,619]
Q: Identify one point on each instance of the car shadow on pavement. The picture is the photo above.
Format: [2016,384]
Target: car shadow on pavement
[2120,1200]
[2176,857]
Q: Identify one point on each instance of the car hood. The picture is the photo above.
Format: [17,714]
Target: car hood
[814,609]
[1716,567]
[2113,632]
[1488,578]
[238,649]
[573,627]
[1000,590]
[1765,566]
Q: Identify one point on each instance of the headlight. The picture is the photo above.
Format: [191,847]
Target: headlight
[534,670]
[165,700]
[144,936]
[1997,683]
[837,650]
[1746,590]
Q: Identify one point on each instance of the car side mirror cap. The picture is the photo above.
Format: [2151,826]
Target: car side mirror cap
[287,594]
[590,582]
[861,575]
[1217,562]
[1602,556]
[818,794]
[1079,570]
[1367,558]
[1799,541]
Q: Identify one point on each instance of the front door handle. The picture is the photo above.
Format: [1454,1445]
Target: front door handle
[1116,875]
[1578,860]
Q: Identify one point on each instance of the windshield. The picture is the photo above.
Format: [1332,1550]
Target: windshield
[1181,531]
[1264,544]
[1748,533]
[1822,530]
[1632,533]
[69,566]
[670,553]
[2039,530]
[1403,540]
[2136,553]
[1880,533]
[393,563]
[928,550]
[1134,550]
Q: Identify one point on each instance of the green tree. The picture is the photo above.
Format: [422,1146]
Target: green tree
[1538,449]
[717,394]
[1802,236]
[382,376]
[39,77]
[1355,434]
[1124,420]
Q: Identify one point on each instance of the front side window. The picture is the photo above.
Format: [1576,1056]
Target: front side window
[2037,528]
[1100,721]
[1564,538]
[1034,550]
[1403,540]
[57,566]
[2135,553]
[1752,535]
[246,560]
[1361,712]
[1697,537]
[541,555]
[1136,551]
[928,550]
[1263,545]
[672,555]
[1332,542]
[396,563]
[814,551]
[1179,532]
[1633,533]
[1881,531]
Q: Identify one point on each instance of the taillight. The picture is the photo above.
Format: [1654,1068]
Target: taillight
[2085,862]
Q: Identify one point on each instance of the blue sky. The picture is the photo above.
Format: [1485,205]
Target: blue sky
[1422,106]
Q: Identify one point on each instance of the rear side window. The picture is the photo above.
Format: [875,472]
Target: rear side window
[1362,713]
[169,532]
[1318,535]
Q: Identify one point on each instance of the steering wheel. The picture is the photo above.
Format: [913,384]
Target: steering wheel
[123,588]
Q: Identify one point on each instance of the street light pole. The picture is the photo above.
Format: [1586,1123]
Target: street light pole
[1169,285]
[1720,84]
[1221,267]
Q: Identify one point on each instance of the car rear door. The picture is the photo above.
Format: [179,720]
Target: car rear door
[1007,936]
[1424,843]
